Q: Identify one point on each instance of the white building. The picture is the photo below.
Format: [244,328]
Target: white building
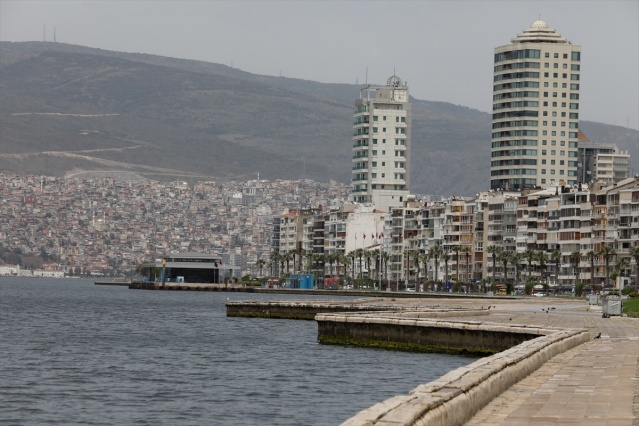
[535,110]
[381,145]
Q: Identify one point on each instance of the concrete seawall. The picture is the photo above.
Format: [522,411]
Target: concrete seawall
[512,350]
[454,398]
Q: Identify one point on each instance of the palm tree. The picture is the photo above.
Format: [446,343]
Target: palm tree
[385,257]
[351,255]
[542,258]
[494,250]
[575,258]
[434,253]
[467,251]
[622,265]
[292,253]
[456,249]
[274,258]
[367,257]
[331,259]
[530,255]
[556,257]
[359,253]
[591,256]
[515,260]
[423,259]
[445,258]
[309,262]
[260,264]
[504,257]
[607,252]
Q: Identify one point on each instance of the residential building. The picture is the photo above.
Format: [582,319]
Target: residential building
[381,145]
[535,110]
[601,162]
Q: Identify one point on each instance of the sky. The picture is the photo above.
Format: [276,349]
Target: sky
[442,49]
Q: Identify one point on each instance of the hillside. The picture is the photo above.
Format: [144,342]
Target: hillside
[70,108]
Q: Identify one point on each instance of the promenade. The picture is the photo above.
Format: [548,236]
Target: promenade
[595,383]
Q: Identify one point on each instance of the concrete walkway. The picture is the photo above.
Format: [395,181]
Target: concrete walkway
[596,383]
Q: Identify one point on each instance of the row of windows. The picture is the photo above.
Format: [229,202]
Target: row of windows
[515,153]
[515,85]
[563,105]
[514,162]
[508,114]
[572,115]
[398,130]
[561,163]
[506,172]
[397,141]
[517,54]
[519,142]
[516,75]
[397,119]
[398,164]
[516,65]
[524,94]
[394,187]
[563,95]
[383,175]
[509,133]
[397,153]
[519,123]
[518,104]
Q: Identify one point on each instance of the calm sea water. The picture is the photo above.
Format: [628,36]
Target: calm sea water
[72,352]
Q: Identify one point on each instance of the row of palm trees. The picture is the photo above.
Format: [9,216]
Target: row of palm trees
[542,258]
[314,262]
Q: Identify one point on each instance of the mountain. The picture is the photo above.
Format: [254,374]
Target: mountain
[66,109]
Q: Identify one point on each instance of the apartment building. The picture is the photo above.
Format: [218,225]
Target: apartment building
[381,145]
[536,85]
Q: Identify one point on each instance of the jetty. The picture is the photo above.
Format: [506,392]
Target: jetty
[544,360]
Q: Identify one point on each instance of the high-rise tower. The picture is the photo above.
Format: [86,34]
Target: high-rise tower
[535,110]
[381,145]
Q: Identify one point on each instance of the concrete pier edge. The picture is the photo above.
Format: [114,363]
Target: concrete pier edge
[455,397]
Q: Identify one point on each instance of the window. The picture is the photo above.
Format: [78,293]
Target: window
[555,65]
[554,123]
[383,163]
[575,67]
[565,56]
[574,96]
[554,85]
[374,129]
[543,161]
[553,133]
[554,113]
[383,152]
[546,65]
[562,153]
[574,106]
[545,94]
[574,76]
[563,143]
[574,116]
[543,152]
[564,85]
[573,125]
[554,94]
[554,104]
[546,74]
[544,132]
[561,172]
[544,123]
[546,55]
[553,152]
[383,175]
[565,66]
[543,171]
[545,114]
[396,119]
[553,143]
[545,103]
[552,162]
[374,118]
[374,141]
[555,75]
[556,55]
[374,175]
[384,128]
[575,56]
[384,118]
[561,162]
[563,95]
[564,75]
[383,140]
[374,163]
[544,142]
[374,152]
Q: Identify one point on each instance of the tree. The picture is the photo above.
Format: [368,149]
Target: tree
[359,253]
[575,259]
[385,257]
[530,255]
[331,259]
[352,255]
[591,256]
[622,265]
[293,254]
[494,251]
[423,259]
[467,251]
[456,249]
[504,257]
[542,258]
[556,257]
[607,252]
[445,258]
[515,260]
[375,256]
[434,253]
[260,264]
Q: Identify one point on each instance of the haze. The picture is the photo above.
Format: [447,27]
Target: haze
[443,49]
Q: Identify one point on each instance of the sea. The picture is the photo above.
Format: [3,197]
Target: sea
[72,352]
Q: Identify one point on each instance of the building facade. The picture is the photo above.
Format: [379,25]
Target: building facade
[535,110]
[381,145]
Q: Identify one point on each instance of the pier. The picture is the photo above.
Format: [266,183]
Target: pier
[548,361]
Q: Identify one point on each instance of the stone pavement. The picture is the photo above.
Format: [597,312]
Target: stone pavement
[596,383]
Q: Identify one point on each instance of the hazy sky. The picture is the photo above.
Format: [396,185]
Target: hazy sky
[443,49]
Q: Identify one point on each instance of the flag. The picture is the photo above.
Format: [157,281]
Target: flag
[373,236]
[364,235]
[381,235]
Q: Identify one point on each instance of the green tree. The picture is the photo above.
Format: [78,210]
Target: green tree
[434,253]
[456,249]
[260,264]
[555,256]
[634,253]
[575,259]
[494,251]
[542,258]
[591,256]
[446,257]
[467,251]
[530,256]
[607,252]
